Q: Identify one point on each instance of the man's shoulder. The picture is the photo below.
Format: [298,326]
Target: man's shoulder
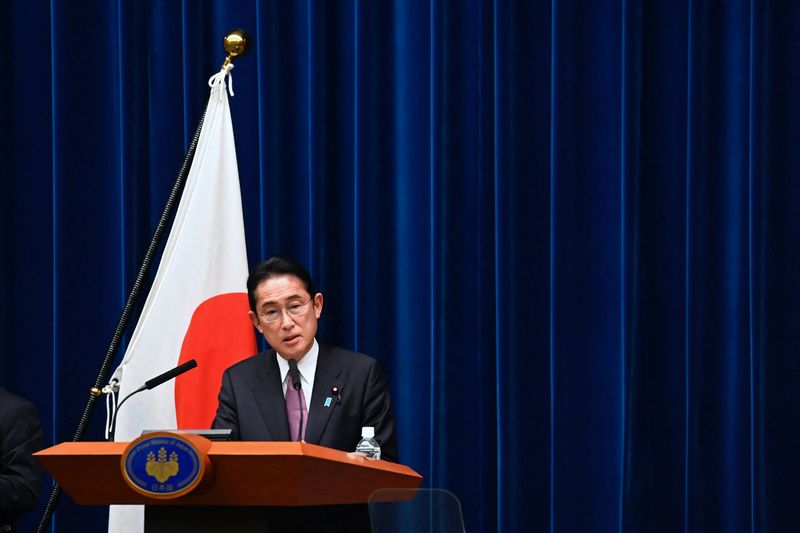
[14,410]
[251,364]
[10,402]
[344,356]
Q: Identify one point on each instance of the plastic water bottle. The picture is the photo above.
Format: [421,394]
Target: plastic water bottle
[368,446]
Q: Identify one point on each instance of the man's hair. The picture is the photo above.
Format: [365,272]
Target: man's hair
[277,265]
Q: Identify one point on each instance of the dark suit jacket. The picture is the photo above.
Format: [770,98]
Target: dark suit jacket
[20,473]
[251,401]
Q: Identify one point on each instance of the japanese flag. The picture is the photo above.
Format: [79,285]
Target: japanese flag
[197,307]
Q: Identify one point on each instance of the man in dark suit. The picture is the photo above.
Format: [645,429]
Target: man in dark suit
[348,389]
[20,473]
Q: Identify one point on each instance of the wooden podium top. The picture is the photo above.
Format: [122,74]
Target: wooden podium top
[243,473]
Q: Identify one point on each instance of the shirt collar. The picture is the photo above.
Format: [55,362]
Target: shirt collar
[307,365]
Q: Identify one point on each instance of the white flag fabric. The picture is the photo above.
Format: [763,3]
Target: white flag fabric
[197,306]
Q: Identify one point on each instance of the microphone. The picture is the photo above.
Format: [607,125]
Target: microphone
[151,384]
[294,374]
[168,375]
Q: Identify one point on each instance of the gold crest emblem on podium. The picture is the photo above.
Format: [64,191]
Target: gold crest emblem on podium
[160,467]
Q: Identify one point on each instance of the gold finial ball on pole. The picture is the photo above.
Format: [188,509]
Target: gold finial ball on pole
[235,44]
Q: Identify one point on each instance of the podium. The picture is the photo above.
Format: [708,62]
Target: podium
[244,480]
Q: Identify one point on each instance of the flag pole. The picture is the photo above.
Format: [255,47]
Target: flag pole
[235,44]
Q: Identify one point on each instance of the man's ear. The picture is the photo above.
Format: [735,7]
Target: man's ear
[255,321]
[318,304]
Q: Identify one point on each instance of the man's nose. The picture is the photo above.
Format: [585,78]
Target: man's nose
[286,319]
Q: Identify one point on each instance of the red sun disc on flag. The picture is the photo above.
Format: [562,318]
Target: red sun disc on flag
[219,335]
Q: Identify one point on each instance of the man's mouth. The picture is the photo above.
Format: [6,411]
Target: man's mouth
[291,338]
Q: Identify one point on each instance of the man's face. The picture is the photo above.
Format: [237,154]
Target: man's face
[285,299]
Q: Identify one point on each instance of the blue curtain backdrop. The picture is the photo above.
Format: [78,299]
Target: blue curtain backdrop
[568,230]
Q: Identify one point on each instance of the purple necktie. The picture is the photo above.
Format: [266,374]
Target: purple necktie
[295,400]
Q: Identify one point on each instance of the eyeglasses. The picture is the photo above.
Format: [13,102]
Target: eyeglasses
[294,309]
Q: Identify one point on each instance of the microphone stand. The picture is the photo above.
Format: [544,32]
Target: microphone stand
[299,387]
[148,385]
[294,377]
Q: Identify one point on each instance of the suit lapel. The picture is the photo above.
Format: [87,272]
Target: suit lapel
[325,378]
[268,395]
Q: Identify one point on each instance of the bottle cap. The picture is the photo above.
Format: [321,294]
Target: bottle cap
[367,432]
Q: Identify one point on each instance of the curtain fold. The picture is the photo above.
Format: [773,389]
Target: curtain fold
[567,230]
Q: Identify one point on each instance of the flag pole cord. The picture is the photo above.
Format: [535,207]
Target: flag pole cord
[133,296]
